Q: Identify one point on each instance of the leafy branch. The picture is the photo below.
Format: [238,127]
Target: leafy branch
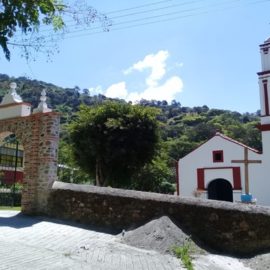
[37,26]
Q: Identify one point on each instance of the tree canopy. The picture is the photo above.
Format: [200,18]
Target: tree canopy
[26,17]
[182,129]
[114,140]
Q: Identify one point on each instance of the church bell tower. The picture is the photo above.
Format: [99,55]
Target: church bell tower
[264,84]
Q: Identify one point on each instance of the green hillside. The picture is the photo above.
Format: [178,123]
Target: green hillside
[182,128]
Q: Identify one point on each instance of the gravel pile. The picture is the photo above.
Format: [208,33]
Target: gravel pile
[159,234]
[162,234]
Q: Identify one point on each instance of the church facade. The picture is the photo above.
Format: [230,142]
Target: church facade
[225,169]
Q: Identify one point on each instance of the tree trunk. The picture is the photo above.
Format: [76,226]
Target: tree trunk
[99,175]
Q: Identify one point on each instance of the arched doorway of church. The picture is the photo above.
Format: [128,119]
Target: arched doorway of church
[221,190]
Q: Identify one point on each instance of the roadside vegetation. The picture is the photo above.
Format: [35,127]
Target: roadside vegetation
[184,253]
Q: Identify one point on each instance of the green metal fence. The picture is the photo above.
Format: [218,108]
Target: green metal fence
[11,174]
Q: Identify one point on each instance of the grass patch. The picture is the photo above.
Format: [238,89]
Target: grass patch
[15,208]
[184,253]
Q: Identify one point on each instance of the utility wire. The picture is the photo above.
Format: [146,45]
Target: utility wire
[141,6]
[137,12]
[137,25]
[150,17]
[145,20]
[149,10]
[156,9]
[154,19]
[121,10]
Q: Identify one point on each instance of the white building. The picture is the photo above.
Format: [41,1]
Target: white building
[224,169]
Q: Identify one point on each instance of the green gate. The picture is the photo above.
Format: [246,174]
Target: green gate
[11,171]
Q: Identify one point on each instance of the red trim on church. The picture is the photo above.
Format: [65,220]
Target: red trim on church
[228,139]
[217,168]
[236,177]
[200,178]
[218,156]
[266,102]
[236,142]
[263,127]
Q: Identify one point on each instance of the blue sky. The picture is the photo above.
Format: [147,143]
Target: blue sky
[199,52]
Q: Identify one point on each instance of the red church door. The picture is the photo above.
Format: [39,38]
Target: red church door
[221,190]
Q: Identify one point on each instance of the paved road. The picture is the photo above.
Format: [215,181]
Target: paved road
[41,243]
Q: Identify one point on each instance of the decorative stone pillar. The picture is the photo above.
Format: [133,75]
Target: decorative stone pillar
[44,154]
[39,135]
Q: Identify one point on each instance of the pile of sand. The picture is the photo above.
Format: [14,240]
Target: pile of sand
[162,234]
[159,234]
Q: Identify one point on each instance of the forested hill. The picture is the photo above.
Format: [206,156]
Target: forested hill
[65,100]
[183,128]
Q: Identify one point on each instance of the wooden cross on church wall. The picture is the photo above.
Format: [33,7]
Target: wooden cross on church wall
[246,162]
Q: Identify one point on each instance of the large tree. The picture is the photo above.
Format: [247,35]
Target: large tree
[27,16]
[114,140]
[157,175]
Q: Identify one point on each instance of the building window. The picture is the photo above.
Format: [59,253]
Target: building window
[218,156]
[8,157]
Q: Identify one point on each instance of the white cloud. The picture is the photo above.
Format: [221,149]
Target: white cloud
[156,63]
[117,90]
[166,91]
[156,90]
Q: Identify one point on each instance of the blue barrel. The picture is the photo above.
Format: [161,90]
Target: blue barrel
[246,198]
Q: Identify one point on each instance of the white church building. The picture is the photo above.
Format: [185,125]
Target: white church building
[225,169]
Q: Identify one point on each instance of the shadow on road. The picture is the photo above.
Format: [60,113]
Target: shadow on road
[18,220]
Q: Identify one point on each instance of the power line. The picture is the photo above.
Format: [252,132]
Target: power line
[154,19]
[137,25]
[157,21]
[156,9]
[145,20]
[151,17]
[136,7]
[139,12]
[115,11]
[92,29]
